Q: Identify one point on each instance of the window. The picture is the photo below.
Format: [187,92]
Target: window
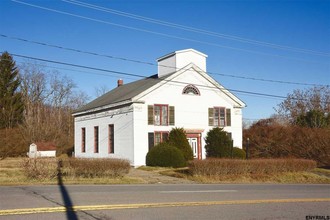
[219,116]
[111,148]
[157,137]
[190,90]
[83,140]
[96,139]
[160,136]
[161,115]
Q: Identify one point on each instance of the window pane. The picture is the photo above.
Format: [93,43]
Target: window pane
[83,140]
[164,115]
[157,115]
[222,117]
[216,116]
[96,139]
[157,138]
[111,139]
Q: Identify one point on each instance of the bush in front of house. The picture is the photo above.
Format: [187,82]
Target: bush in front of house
[218,167]
[217,143]
[165,155]
[177,138]
[238,153]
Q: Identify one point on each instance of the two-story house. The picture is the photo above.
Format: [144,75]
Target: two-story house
[132,118]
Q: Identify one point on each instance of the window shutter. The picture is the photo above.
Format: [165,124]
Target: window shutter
[151,140]
[150,114]
[211,116]
[228,117]
[172,116]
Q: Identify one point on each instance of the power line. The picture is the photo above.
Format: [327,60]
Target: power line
[159,33]
[136,75]
[149,63]
[196,30]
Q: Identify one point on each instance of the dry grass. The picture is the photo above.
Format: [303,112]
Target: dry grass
[297,177]
[24,171]
[11,173]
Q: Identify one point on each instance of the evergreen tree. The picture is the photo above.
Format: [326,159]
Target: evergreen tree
[178,139]
[217,143]
[11,105]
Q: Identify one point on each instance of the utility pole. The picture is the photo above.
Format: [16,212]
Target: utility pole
[247,148]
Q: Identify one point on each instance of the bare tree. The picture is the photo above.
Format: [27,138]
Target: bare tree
[101,90]
[50,99]
[300,102]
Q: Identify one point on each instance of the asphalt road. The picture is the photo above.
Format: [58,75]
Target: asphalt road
[166,201]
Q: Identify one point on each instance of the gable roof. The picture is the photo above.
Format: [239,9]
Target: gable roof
[120,94]
[45,146]
[129,92]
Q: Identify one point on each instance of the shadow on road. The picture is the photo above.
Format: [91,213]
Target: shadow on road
[70,212]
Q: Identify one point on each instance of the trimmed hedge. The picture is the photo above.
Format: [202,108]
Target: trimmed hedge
[165,155]
[49,168]
[218,167]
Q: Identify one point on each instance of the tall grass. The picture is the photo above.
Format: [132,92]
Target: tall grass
[50,168]
[218,167]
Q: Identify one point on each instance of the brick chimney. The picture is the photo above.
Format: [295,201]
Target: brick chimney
[120,82]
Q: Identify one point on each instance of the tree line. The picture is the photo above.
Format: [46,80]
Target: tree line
[35,106]
[299,129]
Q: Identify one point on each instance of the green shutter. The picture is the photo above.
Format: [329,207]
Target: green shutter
[211,116]
[150,114]
[228,117]
[172,116]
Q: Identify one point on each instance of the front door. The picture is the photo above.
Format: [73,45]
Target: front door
[194,146]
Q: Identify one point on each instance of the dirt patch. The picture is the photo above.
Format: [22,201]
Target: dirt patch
[151,177]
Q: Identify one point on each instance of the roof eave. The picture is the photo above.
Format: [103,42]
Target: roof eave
[97,109]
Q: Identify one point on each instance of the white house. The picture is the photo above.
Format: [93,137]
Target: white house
[129,120]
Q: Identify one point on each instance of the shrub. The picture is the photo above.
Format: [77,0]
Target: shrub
[270,139]
[48,168]
[238,153]
[217,143]
[106,167]
[40,168]
[165,155]
[218,167]
[178,139]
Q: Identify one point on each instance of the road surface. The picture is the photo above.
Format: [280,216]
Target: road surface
[166,201]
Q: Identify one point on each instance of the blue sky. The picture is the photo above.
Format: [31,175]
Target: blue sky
[298,32]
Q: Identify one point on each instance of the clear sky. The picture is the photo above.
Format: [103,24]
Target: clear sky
[250,44]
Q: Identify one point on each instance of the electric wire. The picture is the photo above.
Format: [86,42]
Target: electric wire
[144,77]
[159,33]
[153,64]
[193,29]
